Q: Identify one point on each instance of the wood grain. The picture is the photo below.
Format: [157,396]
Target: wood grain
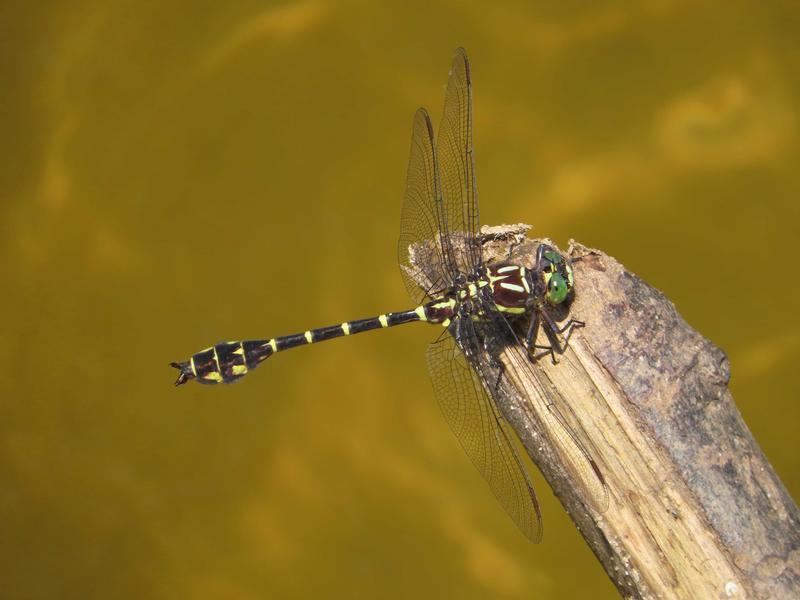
[694,508]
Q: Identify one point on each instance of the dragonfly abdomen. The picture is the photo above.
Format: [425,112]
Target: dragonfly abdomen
[228,362]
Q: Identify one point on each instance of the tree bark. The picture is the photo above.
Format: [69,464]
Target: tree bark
[695,510]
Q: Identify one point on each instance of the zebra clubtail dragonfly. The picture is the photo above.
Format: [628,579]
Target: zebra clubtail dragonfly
[480,304]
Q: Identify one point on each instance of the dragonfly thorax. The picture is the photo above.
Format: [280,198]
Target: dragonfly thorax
[516,289]
[510,286]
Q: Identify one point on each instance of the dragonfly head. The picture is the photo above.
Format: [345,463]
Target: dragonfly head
[556,273]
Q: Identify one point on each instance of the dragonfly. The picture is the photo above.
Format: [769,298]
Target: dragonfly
[484,307]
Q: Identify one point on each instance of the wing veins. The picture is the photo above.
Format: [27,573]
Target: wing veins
[478,425]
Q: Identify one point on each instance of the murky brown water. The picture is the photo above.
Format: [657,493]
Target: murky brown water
[178,174]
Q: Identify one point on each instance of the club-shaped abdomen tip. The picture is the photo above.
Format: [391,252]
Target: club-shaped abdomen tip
[185,372]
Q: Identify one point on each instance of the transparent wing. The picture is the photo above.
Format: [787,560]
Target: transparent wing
[457,166]
[483,434]
[422,229]
[570,440]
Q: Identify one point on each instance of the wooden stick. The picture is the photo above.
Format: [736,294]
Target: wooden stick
[695,510]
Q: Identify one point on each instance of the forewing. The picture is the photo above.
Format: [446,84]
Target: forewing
[457,166]
[483,434]
[422,263]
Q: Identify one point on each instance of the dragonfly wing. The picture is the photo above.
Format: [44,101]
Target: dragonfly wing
[483,433]
[457,166]
[423,225]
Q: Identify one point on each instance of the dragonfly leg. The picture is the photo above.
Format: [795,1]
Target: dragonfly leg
[570,327]
[530,340]
[566,331]
[533,331]
[552,330]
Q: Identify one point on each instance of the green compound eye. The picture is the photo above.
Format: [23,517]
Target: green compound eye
[553,256]
[557,289]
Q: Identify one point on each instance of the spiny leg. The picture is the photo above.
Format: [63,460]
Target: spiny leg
[533,330]
[533,333]
[552,330]
[569,327]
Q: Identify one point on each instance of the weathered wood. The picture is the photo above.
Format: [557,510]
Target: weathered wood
[695,510]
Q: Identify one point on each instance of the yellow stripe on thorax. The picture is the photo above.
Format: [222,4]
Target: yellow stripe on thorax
[493,279]
[510,310]
[512,286]
[524,280]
